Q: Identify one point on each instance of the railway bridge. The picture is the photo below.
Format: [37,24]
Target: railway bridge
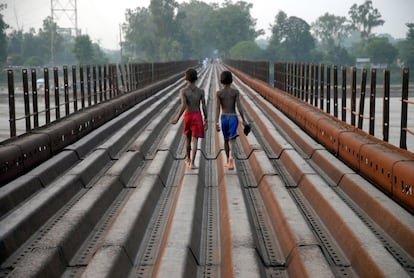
[310,196]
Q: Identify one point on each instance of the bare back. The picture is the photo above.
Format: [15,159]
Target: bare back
[228,98]
[192,96]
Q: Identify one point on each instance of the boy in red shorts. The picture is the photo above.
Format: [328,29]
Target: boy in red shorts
[228,99]
[191,98]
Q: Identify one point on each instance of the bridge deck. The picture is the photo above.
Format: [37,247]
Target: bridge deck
[120,203]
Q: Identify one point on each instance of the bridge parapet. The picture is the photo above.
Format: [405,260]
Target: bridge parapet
[389,167]
[21,153]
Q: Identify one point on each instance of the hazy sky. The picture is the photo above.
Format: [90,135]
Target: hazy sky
[101,19]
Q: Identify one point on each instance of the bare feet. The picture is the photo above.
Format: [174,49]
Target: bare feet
[192,166]
[187,162]
[230,164]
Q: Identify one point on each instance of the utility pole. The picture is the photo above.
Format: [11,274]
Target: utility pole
[120,40]
[67,8]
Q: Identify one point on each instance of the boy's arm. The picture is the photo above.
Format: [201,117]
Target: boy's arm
[217,111]
[240,108]
[182,108]
[203,106]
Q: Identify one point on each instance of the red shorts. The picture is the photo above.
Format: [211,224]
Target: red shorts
[193,123]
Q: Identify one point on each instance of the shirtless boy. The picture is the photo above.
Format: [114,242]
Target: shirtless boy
[191,98]
[227,99]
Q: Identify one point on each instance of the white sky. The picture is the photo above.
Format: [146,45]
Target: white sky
[101,19]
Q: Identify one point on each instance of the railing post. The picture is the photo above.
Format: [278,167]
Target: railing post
[295,79]
[95,92]
[312,77]
[289,78]
[66,89]
[316,85]
[322,84]
[100,83]
[26,100]
[122,77]
[132,77]
[307,84]
[353,95]
[105,80]
[88,82]
[335,76]
[56,84]
[126,78]
[328,89]
[362,99]
[109,76]
[292,78]
[34,99]
[386,106]
[404,109]
[12,104]
[373,89]
[302,95]
[82,86]
[343,101]
[47,94]
[75,89]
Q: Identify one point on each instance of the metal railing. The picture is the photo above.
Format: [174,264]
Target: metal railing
[256,69]
[320,84]
[64,91]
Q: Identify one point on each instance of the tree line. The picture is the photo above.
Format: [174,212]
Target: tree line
[169,31]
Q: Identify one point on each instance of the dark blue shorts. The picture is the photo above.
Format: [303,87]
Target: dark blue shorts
[229,124]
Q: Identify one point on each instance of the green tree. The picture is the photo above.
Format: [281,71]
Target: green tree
[83,50]
[33,50]
[246,50]
[291,39]
[15,43]
[406,47]
[140,35]
[191,30]
[195,29]
[3,37]
[168,33]
[231,24]
[381,51]
[163,16]
[50,42]
[337,55]
[330,30]
[364,18]
[170,51]
[99,57]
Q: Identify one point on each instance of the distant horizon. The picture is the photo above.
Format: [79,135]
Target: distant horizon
[105,30]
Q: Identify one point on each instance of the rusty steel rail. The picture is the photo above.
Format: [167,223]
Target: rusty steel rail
[391,168]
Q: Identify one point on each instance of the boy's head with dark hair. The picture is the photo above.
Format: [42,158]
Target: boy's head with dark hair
[226,77]
[191,75]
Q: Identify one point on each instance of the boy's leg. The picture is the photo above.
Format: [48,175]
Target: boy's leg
[188,149]
[230,163]
[227,149]
[193,152]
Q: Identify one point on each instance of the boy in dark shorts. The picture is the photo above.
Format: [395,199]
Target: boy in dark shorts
[227,99]
[191,98]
